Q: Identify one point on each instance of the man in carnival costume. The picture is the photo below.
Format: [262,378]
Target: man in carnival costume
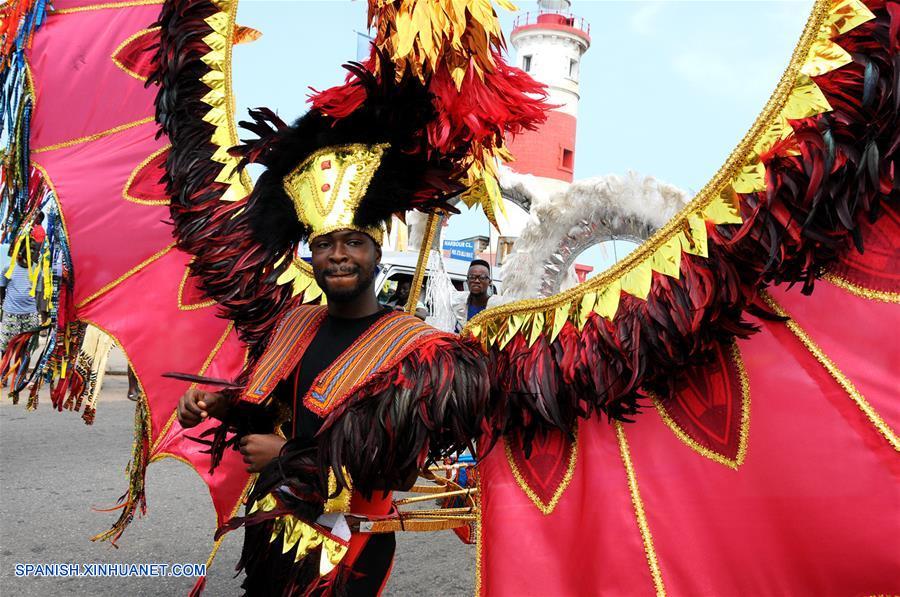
[692,499]
[363,393]
[364,396]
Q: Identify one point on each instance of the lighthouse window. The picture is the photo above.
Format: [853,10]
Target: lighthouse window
[568,160]
[526,63]
[573,69]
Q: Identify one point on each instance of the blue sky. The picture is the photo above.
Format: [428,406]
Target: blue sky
[667,88]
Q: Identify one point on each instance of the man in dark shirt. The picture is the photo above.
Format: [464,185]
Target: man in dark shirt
[344,264]
[467,305]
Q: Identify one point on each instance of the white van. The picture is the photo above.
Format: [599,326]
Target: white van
[401,265]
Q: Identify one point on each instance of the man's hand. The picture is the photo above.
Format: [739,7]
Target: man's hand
[196,406]
[259,449]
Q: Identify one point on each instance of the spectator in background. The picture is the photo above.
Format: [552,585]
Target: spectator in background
[467,305]
[398,300]
[20,311]
[38,234]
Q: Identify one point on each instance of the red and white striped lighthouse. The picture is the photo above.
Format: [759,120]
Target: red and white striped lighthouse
[549,45]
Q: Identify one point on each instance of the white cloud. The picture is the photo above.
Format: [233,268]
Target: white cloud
[644,20]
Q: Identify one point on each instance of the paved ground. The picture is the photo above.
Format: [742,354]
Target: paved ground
[54,470]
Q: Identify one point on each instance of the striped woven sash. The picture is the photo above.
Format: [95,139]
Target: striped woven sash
[382,346]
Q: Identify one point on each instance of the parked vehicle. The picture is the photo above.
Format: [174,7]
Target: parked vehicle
[401,265]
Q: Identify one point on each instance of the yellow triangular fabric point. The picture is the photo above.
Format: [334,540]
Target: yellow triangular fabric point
[291,533]
[824,57]
[637,281]
[214,59]
[806,100]
[214,79]
[560,316]
[667,258]
[300,282]
[227,176]
[216,117]
[235,192]
[608,300]
[537,328]
[724,208]
[312,293]
[218,22]
[848,14]
[779,129]
[216,41]
[221,137]
[513,325]
[222,156]
[694,240]
[586,308]
[750,179]
[215,98]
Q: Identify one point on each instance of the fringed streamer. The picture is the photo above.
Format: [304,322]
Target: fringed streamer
[598,347]
[23,194]
[134,499]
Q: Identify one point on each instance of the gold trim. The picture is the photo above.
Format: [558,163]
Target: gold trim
[95,136]
[59,208]
[127,196]
[639,514]
[883,296]
[688,226]
[125,276]
[193,306]
[744,431]
[883,428]
[479,558]
[431,228]
[209,359]
[127,41]
[90,7]
[549,507]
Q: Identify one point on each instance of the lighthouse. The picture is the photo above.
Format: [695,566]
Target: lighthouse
[549,45]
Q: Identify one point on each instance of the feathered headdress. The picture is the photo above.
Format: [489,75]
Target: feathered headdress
[422,120]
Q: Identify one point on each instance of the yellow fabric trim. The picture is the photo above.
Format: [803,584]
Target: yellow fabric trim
[883,296]
[194,306]
[479,558]
[744,431]
[639,514]
[89,7]
[550,506]
[125,190]
[219,58]
[742,171]
[883,428]
[125,276]
[49,182]
[95,136]
[127,41]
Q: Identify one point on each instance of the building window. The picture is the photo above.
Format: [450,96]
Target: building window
[567,160]
[526,63]
[573,68]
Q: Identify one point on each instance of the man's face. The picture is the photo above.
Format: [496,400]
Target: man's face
[403,290]
[479,279]
[344,263]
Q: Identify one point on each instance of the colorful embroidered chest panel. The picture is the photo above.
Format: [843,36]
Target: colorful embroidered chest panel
[379,348]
